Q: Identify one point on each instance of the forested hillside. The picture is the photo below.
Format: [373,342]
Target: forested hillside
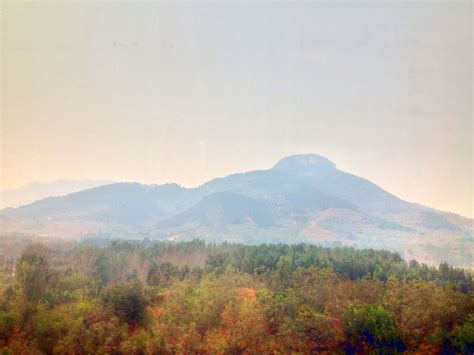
[190,297]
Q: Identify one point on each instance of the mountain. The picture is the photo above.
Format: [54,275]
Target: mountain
[303,198]
[37,191]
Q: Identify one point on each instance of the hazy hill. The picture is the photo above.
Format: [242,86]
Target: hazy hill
[37,191]
[302,198]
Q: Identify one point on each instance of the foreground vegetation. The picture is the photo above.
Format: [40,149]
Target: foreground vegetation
[154,298]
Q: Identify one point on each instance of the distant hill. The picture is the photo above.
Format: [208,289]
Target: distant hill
[36,191]
[303,198]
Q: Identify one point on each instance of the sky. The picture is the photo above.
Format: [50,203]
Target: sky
[185,92]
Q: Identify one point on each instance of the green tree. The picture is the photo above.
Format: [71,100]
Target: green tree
[127,302]
[34,273]
[284,270]
[372,329]
[463,336]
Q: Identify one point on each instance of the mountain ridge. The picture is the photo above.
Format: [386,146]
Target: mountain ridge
[35,191]
[302,198]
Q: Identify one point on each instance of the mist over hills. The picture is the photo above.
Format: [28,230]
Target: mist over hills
[303,198]
[35,191]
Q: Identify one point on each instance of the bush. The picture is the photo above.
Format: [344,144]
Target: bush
[8,321]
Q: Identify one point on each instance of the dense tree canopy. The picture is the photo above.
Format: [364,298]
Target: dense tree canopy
[134,297]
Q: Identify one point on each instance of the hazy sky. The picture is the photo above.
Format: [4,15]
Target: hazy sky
[162,92]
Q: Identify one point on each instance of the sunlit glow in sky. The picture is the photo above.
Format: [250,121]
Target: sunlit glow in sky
[162,92]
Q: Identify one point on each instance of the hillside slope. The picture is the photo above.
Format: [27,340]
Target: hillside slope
[302,198]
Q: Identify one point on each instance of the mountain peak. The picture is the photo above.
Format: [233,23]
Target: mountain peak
[305,163]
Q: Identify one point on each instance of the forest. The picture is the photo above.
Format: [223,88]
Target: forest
[146,297]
